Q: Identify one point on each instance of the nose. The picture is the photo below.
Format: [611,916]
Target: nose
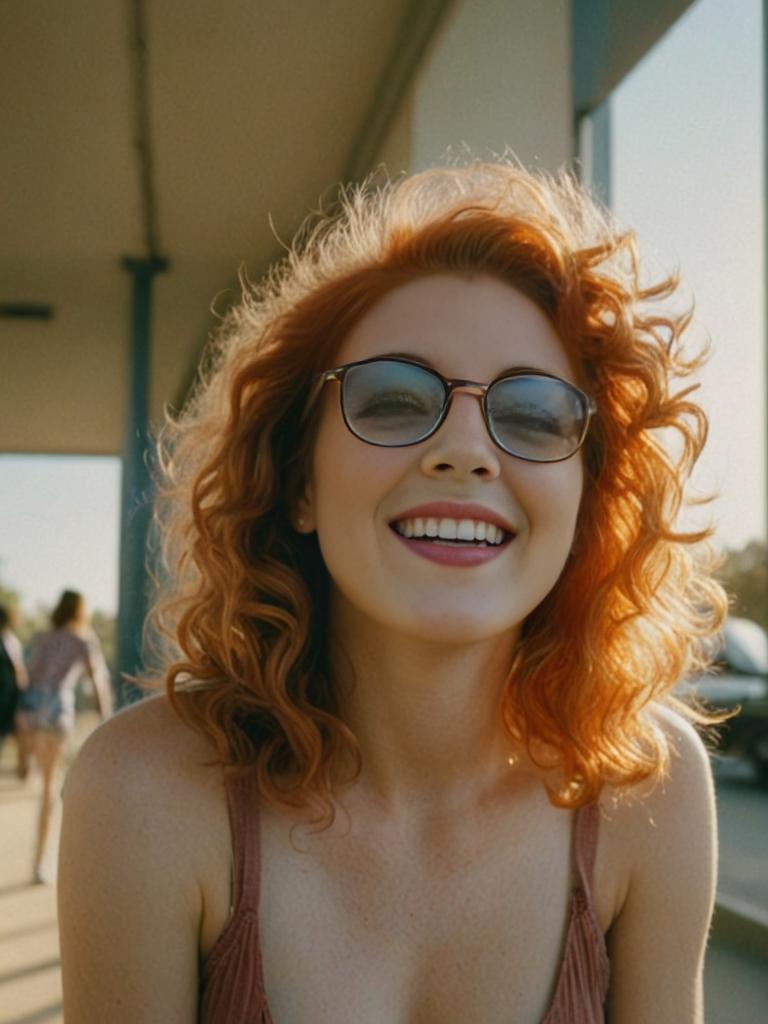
[462,447]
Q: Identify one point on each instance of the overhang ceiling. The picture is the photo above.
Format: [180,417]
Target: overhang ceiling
[254,108]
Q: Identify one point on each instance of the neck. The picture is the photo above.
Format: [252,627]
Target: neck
[426,715]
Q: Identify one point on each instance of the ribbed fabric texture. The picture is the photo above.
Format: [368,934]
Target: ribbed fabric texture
[582,986]
[232,981]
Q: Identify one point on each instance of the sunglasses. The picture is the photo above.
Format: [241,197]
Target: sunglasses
[529,414]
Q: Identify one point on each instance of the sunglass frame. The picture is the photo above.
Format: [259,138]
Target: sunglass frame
[456,386]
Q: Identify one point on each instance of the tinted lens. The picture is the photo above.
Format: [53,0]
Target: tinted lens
[536,417]
[391,403]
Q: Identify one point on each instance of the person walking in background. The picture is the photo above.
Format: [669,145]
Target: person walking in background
[56,660]
[13,677]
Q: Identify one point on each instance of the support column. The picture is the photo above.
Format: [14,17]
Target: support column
[136,495]
[765,214]
[601,152]
[595,59]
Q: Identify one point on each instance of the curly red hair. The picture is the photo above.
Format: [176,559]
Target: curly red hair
[245,598]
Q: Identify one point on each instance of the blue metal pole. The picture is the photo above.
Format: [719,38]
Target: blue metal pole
[601,152]
[765,211]
[136,497]
[591,46]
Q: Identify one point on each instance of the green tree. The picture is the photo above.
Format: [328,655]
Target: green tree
[9,598]
[744,575]
[28,623]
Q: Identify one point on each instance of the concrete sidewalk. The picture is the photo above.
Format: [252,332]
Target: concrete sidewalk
[30,976]
[30,982]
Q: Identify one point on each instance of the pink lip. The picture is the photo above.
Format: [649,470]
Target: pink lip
[445,555]
[455,510]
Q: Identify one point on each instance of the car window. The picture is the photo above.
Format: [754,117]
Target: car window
[745,646]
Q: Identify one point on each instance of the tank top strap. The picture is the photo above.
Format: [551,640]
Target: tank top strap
[243,803]
[586,828]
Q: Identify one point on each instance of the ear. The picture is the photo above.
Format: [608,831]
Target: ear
[304,520]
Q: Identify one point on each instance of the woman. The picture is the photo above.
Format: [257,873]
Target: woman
[13,677]
[56,661]
[428,603]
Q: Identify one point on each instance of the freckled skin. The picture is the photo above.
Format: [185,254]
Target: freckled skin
[470,327]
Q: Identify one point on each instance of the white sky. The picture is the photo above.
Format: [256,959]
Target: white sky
[687,174]
[687,137]
[59,528]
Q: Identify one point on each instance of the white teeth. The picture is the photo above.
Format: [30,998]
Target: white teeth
[467,530]
[446,529]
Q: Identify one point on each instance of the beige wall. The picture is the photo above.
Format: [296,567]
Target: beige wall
[396,152]
[253,108]
[499,76]
[62,383]
[265,144]
[61,231]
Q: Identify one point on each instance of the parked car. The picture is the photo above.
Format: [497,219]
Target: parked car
[739,680]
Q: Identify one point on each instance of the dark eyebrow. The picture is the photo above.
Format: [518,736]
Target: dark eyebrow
[422,361]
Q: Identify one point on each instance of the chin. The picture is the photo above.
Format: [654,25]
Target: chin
[454,629]
[449,618]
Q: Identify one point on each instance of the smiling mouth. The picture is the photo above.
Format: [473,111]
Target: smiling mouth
[458,533]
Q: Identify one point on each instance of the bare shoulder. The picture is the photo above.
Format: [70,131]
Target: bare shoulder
[144,829]
[659,846]
[689,763]
[141,737]
[683,796]
[146,775]
[655,836]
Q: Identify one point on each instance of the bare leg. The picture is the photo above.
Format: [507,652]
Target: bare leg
[24,744]
[48,747]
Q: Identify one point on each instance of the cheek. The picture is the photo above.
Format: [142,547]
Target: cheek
[551,498]
[350,482]
[550,490]
[550,501]
[349,479]
[574,485]
[566,498]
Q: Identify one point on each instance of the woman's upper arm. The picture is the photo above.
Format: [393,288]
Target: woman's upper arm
[97,670]
[129,902]
[658,940]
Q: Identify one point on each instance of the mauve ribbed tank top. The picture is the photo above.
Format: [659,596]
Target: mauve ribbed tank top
[232,982]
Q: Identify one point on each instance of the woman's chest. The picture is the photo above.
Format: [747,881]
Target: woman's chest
[461,935]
